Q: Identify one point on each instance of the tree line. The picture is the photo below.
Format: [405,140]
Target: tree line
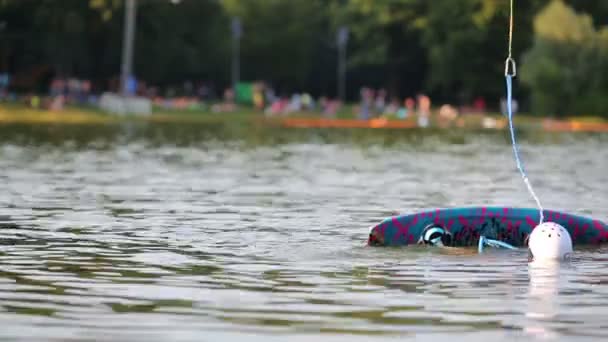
[451,50]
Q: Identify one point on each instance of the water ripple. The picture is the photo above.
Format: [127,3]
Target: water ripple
[133,242]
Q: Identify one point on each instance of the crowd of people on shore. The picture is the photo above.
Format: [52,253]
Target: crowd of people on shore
[259,96]
[61,92]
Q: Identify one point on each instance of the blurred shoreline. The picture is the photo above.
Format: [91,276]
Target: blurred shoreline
[22,114]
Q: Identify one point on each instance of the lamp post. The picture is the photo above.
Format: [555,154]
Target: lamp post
[237,32]
[342,40]
[3,54]
[127,45]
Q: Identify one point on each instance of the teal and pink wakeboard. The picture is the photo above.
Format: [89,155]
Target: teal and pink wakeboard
[466,225]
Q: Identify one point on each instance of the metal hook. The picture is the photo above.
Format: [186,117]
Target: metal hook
[510,68]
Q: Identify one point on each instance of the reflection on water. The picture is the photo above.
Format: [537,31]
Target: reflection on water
[188,233]
[543,307]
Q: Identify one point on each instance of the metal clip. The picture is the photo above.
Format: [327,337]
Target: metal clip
[510,68]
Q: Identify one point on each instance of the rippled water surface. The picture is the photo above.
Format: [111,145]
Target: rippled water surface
[176,233]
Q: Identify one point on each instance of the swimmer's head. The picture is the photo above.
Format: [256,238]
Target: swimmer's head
[549,241]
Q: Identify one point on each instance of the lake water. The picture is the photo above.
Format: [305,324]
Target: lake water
[198,233]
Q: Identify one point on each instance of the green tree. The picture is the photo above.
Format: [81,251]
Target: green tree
[453,49]
[279,38]
[43,37]
[175,43]
[385,48]
[467,45]
[565,68]
[106,8]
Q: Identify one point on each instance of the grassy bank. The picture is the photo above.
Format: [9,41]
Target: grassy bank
[21,114]
[15,113]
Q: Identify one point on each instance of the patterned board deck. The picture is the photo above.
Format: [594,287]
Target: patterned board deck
[511,225]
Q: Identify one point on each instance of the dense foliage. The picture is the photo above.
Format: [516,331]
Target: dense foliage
[452,50]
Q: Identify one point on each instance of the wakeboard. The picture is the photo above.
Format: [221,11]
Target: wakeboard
[466,225]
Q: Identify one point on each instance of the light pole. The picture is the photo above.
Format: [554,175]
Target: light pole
[342,40]
[3,55]
[127,45]
[237,32]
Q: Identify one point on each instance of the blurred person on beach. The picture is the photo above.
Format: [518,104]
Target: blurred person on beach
[365,108]
[380,102]
[424,110]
